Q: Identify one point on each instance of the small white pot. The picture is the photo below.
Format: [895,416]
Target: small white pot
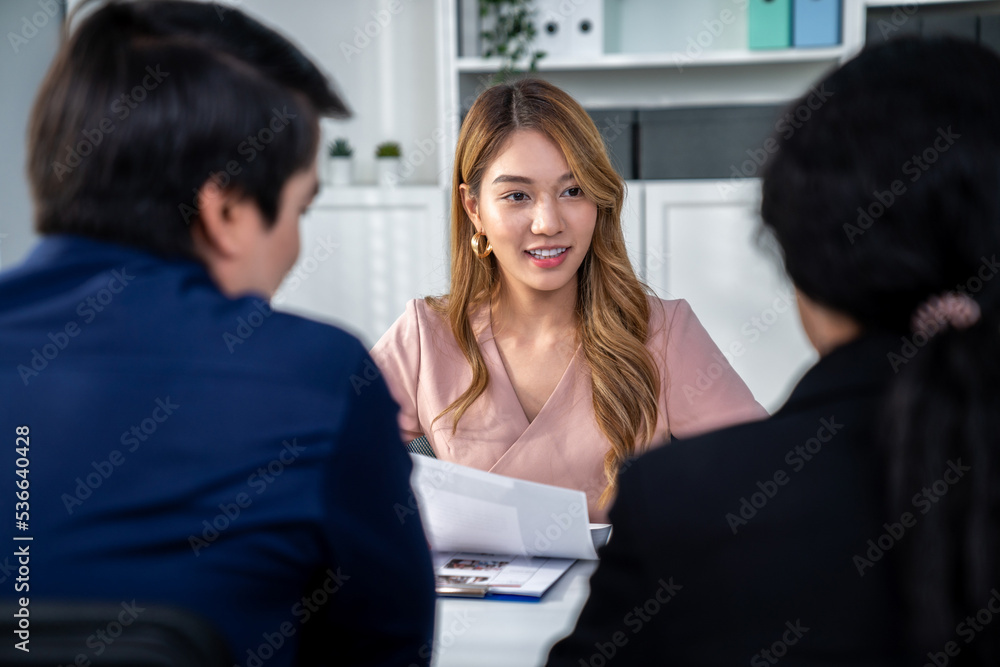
[387,169]
[340,170]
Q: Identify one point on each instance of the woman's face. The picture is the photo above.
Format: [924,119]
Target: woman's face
[532,210]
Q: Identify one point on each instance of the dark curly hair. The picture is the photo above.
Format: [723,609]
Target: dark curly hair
[888,195]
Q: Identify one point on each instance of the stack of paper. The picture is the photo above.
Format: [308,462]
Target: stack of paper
[496,535]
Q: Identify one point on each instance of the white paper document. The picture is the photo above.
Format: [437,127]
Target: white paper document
[469,510]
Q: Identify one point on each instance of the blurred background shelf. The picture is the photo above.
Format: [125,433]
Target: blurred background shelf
[674,59]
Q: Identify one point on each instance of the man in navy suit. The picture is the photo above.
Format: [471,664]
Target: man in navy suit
[182,443]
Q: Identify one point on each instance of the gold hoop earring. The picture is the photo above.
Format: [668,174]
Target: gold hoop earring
[481,254]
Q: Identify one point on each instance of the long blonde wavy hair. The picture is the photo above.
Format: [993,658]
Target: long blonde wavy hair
[611,304]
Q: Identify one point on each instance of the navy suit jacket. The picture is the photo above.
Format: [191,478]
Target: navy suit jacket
[740,546]
[195,450]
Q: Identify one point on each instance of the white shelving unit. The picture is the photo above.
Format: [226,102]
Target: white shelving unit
[684,73]
[672,59]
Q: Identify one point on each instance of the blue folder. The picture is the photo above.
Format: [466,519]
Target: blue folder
[816,23]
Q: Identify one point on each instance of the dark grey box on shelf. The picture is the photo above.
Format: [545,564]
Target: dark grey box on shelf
[704,142]
[965,27]
[882,26]
[617,127]
[989,31]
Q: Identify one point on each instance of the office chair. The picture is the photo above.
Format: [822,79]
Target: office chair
[420,446]
[102,634]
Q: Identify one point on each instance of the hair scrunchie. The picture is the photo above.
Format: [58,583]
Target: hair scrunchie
[954,309]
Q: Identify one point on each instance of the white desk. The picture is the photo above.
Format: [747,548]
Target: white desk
[494,633]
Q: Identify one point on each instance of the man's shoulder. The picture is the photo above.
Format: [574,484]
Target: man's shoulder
[265,335]
[248,316]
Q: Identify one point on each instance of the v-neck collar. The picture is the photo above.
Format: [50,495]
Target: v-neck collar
[503,387]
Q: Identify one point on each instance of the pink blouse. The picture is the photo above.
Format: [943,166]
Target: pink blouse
[563,446]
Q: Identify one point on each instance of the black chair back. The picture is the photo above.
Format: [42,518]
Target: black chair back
[102,634]
[420,446]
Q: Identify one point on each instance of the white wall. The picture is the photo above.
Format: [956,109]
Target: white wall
[22,66]
[384,63]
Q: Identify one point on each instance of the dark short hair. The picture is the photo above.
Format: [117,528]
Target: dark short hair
[147,100]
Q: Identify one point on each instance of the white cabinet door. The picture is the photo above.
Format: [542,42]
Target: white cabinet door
[633,224]
[364,253]
[701,245]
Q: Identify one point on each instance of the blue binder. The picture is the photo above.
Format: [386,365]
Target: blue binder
[816,23]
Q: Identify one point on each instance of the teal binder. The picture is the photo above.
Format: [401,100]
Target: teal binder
[770,24]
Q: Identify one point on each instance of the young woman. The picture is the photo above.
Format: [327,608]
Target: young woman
[860,525]
[548,360]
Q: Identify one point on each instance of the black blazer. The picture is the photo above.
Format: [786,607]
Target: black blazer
[738,547]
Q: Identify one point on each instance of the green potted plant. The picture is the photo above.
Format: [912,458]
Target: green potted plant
[387,159]
[509,33]
[340,165]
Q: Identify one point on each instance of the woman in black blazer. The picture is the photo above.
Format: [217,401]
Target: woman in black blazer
[859,525]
